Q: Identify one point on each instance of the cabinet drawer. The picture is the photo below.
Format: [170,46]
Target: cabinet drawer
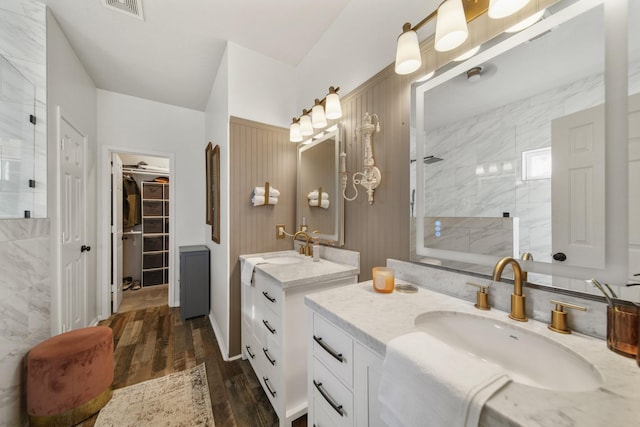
[320,417]
[153,277]
[270,324]
[155,260]
[270,295]
[153,225]
[334,348]
[331,396]
[152,244]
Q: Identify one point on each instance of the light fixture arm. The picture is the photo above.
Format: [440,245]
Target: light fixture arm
[370,176]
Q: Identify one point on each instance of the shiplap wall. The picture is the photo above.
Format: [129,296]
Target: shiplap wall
[381,230]
[258,153]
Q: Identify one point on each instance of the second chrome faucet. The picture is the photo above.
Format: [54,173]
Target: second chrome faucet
[517,297]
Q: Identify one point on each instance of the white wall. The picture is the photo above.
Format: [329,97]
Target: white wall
[71,89]
[165,130]
[217,131]
[260,88]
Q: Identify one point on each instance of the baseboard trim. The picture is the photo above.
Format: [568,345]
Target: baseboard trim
[221,344]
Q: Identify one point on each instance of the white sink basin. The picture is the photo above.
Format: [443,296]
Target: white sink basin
[529,358]
[284,259]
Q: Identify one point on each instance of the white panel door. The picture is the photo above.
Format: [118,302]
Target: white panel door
[116,231]
[73,283]
[634,187]
[577,188]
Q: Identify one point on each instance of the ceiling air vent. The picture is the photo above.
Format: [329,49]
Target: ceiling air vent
[128,7]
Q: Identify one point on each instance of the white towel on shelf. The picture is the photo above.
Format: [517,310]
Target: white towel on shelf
[259,191]
[247,269]
[323,204]
[259,200]
[426,382]
[314,195]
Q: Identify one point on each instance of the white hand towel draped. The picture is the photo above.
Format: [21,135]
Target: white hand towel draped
[426,382]
[247,269]
[259,191]
[314,195]
[323,204]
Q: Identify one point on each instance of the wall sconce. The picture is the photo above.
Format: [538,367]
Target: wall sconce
[316,117]
[371,176]
[451,28]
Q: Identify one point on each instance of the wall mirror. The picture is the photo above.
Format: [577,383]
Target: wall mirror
[483,141]
[212,159]
[17,142]
[319,200]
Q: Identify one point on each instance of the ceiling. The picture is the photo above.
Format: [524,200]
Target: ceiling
[173,55]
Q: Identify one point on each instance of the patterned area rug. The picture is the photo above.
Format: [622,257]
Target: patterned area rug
[176,400]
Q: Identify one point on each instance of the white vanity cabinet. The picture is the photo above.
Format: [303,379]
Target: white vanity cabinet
[344,377]
[274,325]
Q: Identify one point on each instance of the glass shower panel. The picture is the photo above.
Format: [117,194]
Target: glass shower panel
[17,142]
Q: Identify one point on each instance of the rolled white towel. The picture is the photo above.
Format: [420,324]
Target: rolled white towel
[323,204]
[314,195]
[259,200]
[259,191]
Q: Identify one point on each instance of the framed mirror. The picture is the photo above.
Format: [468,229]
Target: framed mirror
[208,158]
[482,148]
[213,190]
[319,199]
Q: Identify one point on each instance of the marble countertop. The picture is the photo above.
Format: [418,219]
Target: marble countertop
[305,272]
[374,319]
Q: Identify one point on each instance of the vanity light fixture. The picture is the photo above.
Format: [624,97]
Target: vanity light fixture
[370,176]
[294,131]
[327,108]
[306,129]
[451,28]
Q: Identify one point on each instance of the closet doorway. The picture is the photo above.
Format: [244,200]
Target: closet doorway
[141,224]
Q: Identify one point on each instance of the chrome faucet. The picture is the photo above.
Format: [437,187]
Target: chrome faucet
[517,298]
[306,250]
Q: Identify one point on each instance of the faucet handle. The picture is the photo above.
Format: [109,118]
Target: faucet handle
[482,297]
[559,316]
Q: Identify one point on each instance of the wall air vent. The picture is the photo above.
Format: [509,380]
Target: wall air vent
[128,7]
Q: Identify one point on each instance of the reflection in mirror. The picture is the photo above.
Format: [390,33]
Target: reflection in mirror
[634,139]
[17,142]
[319,202]
[494,135]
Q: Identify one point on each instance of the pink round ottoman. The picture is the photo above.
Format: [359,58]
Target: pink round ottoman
[69,376]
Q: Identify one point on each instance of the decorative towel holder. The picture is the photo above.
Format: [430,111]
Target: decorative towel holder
[266,192]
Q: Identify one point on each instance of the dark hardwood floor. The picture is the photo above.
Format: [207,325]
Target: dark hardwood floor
[153,342]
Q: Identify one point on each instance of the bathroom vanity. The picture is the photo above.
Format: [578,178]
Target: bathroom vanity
[350,327]
[274,320]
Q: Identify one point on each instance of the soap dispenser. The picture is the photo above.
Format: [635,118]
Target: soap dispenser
[316,247]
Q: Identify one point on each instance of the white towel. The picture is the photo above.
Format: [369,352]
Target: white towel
[323,204]
[259,191]
[314,195]
[247,269]
[259,200]
[426,382]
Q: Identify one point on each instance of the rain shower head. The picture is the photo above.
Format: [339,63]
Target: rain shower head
[431,159]
[428,160]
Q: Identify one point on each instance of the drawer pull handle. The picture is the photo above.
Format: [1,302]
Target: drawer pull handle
[328,349]
[269,297]
[266,383]
[251,355]
[266,353]
[328,398]
[273,331]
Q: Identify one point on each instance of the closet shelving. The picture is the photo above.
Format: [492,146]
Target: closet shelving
[155,233]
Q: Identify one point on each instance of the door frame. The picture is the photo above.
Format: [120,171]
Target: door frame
[104,225]
[56,233]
